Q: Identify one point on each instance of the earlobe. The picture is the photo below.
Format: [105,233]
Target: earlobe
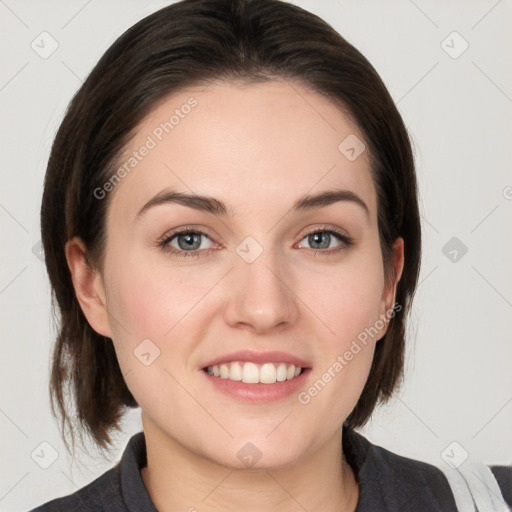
[88,285]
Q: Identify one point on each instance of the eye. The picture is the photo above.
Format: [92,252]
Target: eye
[321,240]
[186,242]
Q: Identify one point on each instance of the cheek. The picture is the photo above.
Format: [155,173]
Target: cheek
[347,301]
[350,310]
[149,307]
[347,298]
[139,306]
[149,300]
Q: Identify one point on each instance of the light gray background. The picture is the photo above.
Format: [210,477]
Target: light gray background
[458,381]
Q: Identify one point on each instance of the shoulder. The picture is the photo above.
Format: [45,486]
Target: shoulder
[110,491]
[394,482]
[101,493]
[389,481]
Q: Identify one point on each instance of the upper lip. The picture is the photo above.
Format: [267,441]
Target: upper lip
[257,356]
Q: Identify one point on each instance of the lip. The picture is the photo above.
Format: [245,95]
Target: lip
[258,357]
[258,393]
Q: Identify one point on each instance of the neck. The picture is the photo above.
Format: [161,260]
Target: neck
[178,479]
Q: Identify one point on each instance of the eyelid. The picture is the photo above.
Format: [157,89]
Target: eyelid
[171,233]
[323,227]
[343,237]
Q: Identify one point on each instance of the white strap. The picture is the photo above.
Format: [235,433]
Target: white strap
[475,488]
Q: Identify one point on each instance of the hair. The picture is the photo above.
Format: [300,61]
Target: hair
[194,42]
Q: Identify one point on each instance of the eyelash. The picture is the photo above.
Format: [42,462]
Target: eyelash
[346,240]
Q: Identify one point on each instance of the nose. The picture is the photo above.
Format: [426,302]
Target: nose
[261,295]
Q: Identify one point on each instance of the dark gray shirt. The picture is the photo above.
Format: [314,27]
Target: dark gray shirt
[387,482]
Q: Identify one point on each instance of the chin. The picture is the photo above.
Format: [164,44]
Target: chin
[261,452]
[249,458]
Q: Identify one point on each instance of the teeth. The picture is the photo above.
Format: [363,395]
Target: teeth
[251,373]
[281,372]
[224,371]
[235,372]
[268,373]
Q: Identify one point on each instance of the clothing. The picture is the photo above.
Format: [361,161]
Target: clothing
[387,481]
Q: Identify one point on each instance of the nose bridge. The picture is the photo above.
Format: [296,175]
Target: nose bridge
[260,294]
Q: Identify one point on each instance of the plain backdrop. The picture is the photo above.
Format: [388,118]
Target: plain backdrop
[447,65]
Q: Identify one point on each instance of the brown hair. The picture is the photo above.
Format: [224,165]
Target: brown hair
[189,43]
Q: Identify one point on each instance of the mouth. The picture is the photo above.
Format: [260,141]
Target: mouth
[254,373]
[258,377]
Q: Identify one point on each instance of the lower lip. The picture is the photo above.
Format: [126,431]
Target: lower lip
[258,393]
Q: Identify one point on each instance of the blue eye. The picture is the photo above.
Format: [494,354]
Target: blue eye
[190,242]
[320,241]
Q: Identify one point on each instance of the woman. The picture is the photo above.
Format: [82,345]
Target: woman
[231,230]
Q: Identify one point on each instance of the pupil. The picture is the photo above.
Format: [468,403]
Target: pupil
[318,237]
[191,239]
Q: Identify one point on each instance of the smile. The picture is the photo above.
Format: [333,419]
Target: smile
[252,373]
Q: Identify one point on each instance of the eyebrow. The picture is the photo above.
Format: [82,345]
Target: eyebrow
[211,205]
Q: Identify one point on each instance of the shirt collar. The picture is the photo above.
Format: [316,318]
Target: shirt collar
[375,476]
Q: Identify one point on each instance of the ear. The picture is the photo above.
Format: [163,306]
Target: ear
[387,301]
[88,285]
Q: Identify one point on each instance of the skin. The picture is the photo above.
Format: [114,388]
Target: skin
[258,148]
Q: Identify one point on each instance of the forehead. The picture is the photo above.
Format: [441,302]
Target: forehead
[254,146]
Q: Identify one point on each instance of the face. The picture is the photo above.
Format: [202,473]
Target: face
[256,288]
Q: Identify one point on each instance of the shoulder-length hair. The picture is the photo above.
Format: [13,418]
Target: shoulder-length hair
[194,42]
